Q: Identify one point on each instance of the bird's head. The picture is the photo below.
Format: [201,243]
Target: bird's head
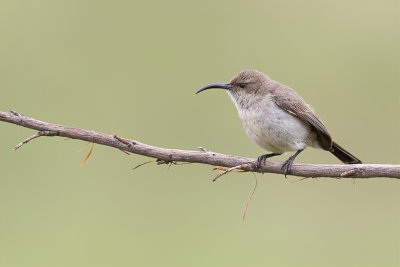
[245,84]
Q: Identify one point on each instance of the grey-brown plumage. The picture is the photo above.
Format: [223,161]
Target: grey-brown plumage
[276,118]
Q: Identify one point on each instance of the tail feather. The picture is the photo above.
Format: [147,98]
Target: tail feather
[342,154]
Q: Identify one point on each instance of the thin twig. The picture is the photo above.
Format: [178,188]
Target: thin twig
[38,134]
[227,171]
[141,164]
[250,198]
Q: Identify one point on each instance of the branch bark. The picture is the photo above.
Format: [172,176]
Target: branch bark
[203,156]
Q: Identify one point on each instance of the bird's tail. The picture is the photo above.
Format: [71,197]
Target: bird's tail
[345,156]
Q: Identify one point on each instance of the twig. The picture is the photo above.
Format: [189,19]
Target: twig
[38,134]
[141,164]
[229,170]
[203,157]
[250,198]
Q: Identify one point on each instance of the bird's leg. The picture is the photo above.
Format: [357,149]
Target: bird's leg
[261,159]
[287,165]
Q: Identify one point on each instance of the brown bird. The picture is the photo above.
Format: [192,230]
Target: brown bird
[277,119]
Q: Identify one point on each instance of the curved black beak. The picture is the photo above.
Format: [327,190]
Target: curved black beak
[225,86]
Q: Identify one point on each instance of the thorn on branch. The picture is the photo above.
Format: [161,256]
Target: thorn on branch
[205,150]
[38,134]
[202,149]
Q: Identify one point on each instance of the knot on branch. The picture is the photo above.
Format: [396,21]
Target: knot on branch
[355,172]
[15,113]
[124,141]
[162,161]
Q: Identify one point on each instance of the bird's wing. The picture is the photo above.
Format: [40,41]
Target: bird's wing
[291,102]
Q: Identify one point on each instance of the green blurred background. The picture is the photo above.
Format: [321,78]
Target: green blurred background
[131,68]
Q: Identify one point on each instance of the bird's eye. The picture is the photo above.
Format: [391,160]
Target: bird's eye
[242,85]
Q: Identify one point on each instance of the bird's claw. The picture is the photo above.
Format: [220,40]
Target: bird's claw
[260,160]
[287,166]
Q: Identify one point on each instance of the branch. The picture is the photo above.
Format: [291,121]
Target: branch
[167,155]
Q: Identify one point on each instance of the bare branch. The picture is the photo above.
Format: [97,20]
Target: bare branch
[203,156]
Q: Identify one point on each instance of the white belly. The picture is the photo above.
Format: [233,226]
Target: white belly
[274,129]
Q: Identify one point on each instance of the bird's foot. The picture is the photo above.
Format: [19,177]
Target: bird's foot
[261,159]
[287,165]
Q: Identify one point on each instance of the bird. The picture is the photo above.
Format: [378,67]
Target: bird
[277,118]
